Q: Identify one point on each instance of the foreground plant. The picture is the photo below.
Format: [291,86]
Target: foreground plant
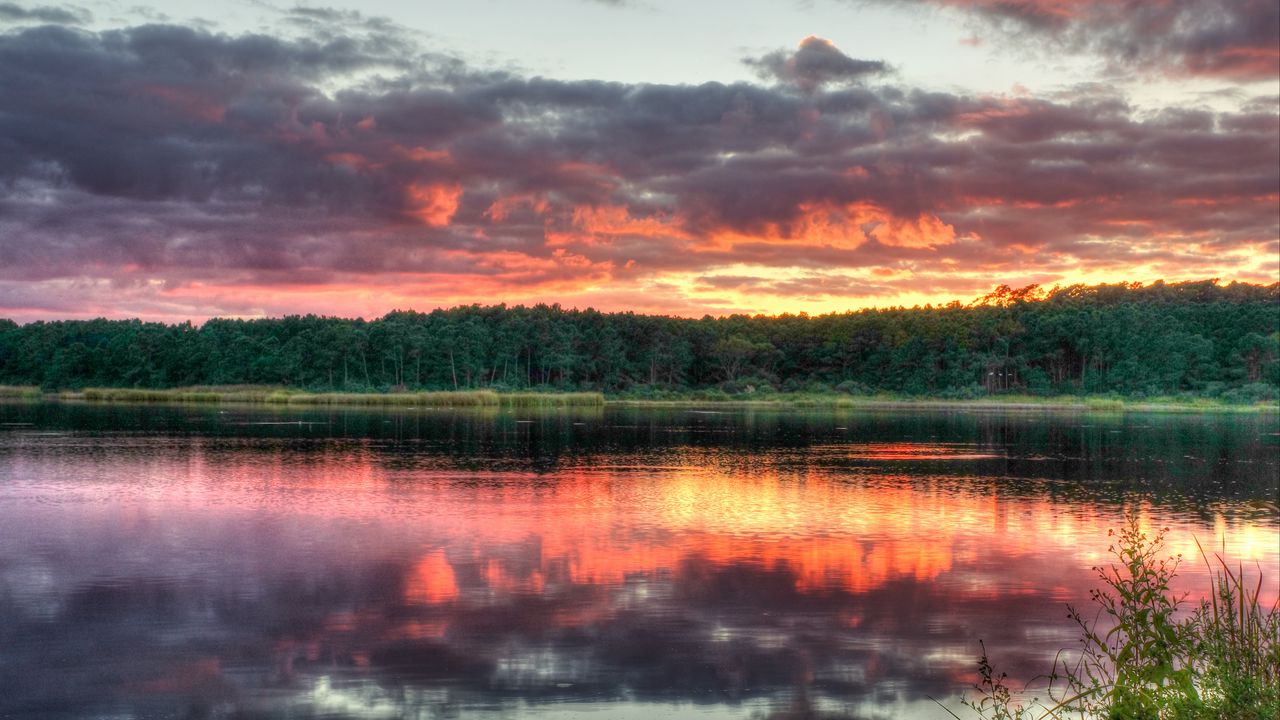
[1240,675]
[1138,661]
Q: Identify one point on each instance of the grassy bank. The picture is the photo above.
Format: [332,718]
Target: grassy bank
[1142,657]
[281,396]
[23,392]
[459,398]
[994,402]
[703,398]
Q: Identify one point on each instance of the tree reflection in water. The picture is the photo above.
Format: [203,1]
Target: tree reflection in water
[180,565]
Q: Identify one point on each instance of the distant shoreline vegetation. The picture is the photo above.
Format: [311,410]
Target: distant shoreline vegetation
[284,396]
[279,396]
[1192,344]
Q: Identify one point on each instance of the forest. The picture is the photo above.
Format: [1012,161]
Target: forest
[1197,339]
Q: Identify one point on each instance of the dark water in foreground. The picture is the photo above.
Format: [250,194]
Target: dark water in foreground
[180,562]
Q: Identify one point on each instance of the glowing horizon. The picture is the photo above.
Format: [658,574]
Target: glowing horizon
[635,302]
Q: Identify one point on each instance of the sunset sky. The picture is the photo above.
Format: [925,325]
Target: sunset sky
[199,159]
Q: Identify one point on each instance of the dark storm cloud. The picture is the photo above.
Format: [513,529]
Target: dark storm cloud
[1230,38]
[816,63]
[167,152]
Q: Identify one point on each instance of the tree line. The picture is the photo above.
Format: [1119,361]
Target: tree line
[1198,338]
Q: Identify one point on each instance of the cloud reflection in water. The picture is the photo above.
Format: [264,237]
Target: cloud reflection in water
[246,576]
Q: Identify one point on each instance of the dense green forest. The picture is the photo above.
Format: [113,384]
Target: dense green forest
[1195,338]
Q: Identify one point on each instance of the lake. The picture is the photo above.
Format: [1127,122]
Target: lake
[206,561]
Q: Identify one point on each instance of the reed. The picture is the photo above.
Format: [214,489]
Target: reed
[281,396]
[468,398]
[22,392]
[1137,659]
[1236,635]
[553,400]
[183,395]
[1104,404]
[458,398]
[899,402]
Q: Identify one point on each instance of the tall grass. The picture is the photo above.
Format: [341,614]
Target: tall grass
[279,396]
[571,399]
[1139,661]
[1240,634]
[841,401]
[193,395]
[24,392]
[458,398]
[464,398]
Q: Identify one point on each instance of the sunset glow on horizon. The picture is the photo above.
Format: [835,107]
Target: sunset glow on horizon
[316,160]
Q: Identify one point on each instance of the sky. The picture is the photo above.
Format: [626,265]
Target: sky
[193,159]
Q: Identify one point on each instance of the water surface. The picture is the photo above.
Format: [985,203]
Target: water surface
[204,561]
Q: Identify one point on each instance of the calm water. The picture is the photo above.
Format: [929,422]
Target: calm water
[182,562]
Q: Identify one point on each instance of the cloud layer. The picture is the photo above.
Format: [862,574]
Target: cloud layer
[1237,39]
[167,171]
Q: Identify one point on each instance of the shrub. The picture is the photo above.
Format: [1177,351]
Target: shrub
[1251,393]
[1223,662]
[970,392]
[853,387]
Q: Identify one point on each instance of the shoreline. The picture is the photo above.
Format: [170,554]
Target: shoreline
[276,396]
[1097,405]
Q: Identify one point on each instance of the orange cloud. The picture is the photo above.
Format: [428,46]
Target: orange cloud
[434,204]
[844,227]
[500,209]
[602,222]
[924,231]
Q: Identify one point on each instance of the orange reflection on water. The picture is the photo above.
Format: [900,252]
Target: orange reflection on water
[591,528]
[431,580]
[831,530]
[916,451]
